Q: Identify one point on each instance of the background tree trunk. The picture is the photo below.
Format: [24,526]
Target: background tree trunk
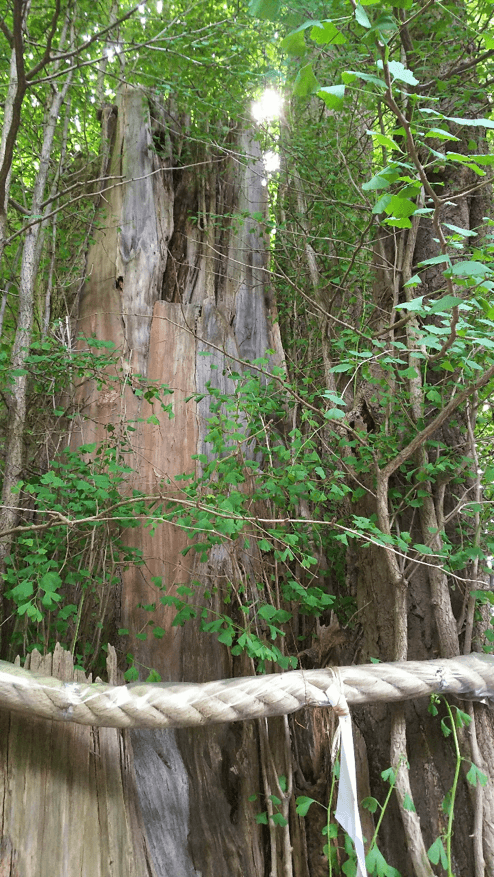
[404,609]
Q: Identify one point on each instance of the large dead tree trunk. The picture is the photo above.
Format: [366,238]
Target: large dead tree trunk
[194,282]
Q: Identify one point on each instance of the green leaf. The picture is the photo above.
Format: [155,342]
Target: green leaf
[303,804]
[51,478]
[270,613]
[410,372]
[66,611]
[384,140]
[440,134]
[361,16]
[389,775]
[398,222]
[464,232]
[445,728]
[278,819]
[423,549]
[50,581]
[382,180]
[416,304]
[398,206]
[414,281]
[326,32]
[88,449]
[462,719]
[370,804]
[305,82]
[475,776]
[408,803]
[349,868]
[185,591]
[349,76]
[448,803]
[470,269]
[400,72]
[376,863]
[436,260]
[225,637]
[471,123]
[22,591]
[330,830]
[31,611]
[437,852]
[382,203]
[487,159]
[334,413]
[332,95]
[294,43]
[433,396]
[264,545]
[342,367]
[446,303]
[131,675]
[266,9]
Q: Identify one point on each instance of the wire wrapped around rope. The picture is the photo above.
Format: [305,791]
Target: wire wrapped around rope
[180,705]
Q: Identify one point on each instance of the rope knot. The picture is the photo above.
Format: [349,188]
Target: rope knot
[335,694]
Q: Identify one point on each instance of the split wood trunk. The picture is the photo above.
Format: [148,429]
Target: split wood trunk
[194,283]
[68,800]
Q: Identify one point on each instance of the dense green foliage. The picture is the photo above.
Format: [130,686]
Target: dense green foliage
[343,437]
[372,444]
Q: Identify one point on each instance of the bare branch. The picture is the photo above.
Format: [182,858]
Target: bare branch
[9,36]
[47,53]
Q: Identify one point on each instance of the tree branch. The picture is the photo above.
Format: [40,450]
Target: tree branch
[45,59]
[435,424]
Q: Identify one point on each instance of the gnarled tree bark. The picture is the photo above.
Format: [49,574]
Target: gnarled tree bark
[194,282]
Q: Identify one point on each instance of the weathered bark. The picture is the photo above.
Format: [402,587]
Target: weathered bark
[188,287]
[68,799]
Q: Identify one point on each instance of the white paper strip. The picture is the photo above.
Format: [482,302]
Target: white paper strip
[347,812]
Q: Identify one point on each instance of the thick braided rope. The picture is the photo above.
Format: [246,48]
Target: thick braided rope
[184,705]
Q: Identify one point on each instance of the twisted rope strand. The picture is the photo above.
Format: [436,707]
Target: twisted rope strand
[180,705]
